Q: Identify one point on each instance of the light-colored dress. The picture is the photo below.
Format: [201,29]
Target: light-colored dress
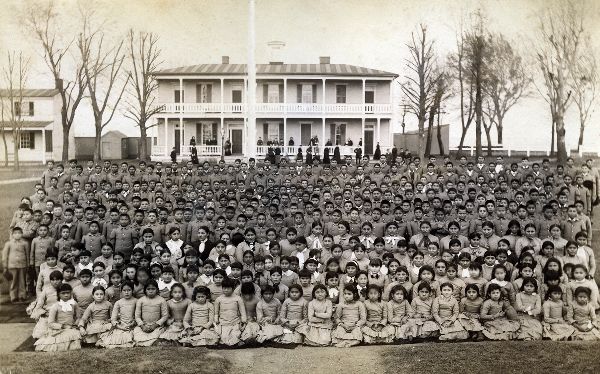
[200,319]
[267,315]
[230,311]
[350,314]
[123,319]
[61,334]
[500,328]
[469,314]
[38,310]
[96,320]
[252,328]
[292,315]
[444,310]
[531,327]
[555,327]
[175,330]
[149,310]
[377,314]
[421,323]
[398,316]
[583,317]
[317,332]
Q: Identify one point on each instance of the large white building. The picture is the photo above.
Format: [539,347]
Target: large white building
[41,132]
[334,102]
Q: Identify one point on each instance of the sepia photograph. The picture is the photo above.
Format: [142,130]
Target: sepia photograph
[299,186]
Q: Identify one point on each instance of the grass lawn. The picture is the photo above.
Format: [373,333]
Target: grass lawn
[494,357]
[133,360]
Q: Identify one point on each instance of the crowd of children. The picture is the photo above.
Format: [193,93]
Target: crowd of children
[123,255]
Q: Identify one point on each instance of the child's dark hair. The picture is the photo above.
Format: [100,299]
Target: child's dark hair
[87,272]
[352,288]
[551,290]
[228,283]
[296,287]
[66,287]
[397,288]
[447,284]
[180,286]
[267,289]
[57,275]
[98,288]
[424,286]
[473,287]
[201,290]
[150,283]
[580,290]
[317,287]
[492,287]
[374,287]
[529,280]
[426,268]
[127,284]
[247,288]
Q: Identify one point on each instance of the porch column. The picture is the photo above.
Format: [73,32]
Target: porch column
[285,97]
[285,141]
[166,137]
[44,146]
[181,144]
[362,134]
[322,147]
[378,130]
[222,95]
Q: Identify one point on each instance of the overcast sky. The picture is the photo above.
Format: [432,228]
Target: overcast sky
[366,33]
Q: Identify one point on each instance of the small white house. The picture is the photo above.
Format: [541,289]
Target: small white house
[41,137]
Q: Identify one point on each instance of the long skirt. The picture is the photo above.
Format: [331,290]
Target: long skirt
[453,332]
[401,331]
[317,335]
[94,329]
[119,337]
[59,340]
[291,336]
[250,332]
[557,331]
[41,328]
[206,337]
[500,329]
[229,334]
[174,332]
[269,331]
[420,328]
[469,322]
[143,339]
[531,328]
[372,336]
[342,339]
[591,335]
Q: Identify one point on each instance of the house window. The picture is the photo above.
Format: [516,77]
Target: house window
[340,94]
[307,93]
[236,94]
[273,93]
[209,133]
[27,140]
[272,131]
[370,94]
[179,96]
[338,133]
[48,140]
[28,111]
[204,93]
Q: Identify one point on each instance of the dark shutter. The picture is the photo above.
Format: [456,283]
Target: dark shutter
[209,93]
[280,131]
[177,96]
[31,135]
[314,93]
[49,147]
[332,138]
[31,108]
[198,93]
[265,132]
[342,134]
[214,133]
[265,93]
[17,108]
[299,93]
[281,95]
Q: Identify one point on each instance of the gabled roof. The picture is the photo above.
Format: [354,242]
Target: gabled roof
[31,92]
[115,132]
[277,69]
[27,124]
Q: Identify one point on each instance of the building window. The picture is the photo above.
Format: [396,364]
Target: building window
[369,94]
[204,93]
[338,133]
[27,112]
[236,93]
[209,133]
[272,131]
[307,93]
[27,140]
[340,94]
[179,96]
[48,145]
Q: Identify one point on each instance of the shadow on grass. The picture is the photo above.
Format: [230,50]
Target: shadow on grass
[132,360]
[493,357]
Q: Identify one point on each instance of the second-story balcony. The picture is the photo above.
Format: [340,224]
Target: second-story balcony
[207,109]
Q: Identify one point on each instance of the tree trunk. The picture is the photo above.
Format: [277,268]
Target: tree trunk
[98,144]
[421,136]
[429,131]
[461,143]
[439,139]
[16,150]
[143,154]
[5,148]
[488,130]
[581,130]
[561,148]
[553,135]
[65,148]
[499,128]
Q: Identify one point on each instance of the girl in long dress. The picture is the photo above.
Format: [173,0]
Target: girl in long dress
[554,324]
[61,333]
[122,319]
[151,313]
[317,332]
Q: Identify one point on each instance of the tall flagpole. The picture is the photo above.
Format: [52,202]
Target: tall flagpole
[251,102]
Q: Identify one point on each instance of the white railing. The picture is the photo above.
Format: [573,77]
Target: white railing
[292,151]
[203,150]
[158,150]
[202,108]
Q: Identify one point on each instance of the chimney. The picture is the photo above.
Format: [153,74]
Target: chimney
[276,52]
[324,60]
[225,60]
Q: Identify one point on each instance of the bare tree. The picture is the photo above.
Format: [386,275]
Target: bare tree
[43,21]
[420,83]
[4,124]
[441,93]
[561,35]
[102,65]
[584,85]
[506,82]
[144,60]
[15,75]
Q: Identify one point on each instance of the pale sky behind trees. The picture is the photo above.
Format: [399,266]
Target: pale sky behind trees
[366,33]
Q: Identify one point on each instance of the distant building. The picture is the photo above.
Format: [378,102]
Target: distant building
[333,102]
[114,145]
[41,137]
